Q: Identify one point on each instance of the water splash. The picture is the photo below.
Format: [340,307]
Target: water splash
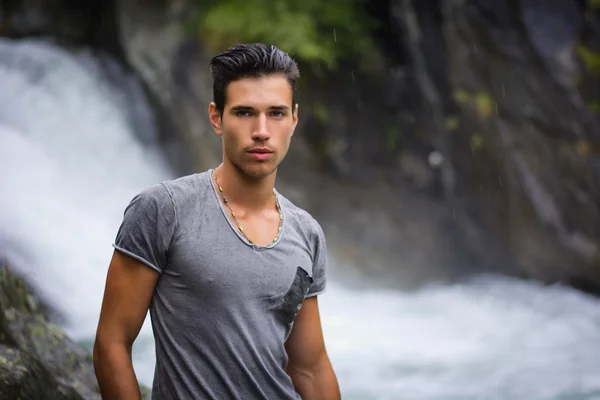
[491,338]
[71,163]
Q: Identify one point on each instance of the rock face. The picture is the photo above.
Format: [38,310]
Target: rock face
[525,83]
[37,360]
[468,140]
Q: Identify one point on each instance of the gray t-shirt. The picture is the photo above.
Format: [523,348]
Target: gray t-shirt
[223,308]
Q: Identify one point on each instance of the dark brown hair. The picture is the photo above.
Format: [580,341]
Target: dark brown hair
[251,60]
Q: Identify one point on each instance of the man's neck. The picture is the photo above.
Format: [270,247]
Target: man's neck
[252,194]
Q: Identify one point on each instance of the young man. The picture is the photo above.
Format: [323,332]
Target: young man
[228,267]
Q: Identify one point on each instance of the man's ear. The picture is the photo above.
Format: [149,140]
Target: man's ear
[215,118]
[295,117]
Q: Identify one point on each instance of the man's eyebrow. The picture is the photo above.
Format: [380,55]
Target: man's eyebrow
[279,108]
[242,107]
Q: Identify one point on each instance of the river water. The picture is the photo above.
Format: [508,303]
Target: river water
[77,142]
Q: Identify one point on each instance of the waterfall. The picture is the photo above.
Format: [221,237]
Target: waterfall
[77,142]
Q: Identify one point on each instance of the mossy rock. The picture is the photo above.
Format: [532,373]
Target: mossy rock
[23,377]
[34,347]
[61,356]
[37,359]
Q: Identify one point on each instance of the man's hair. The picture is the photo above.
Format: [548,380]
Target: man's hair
[250,61]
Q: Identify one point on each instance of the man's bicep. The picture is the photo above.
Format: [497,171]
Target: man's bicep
[127,296]
[305,345]
[320,263]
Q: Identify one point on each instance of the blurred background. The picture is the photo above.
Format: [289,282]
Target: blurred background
[449,148]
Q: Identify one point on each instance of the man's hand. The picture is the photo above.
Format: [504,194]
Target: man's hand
[309,365]
[129,288]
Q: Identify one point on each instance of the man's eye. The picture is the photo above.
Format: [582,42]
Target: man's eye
[243,113]
[277,114]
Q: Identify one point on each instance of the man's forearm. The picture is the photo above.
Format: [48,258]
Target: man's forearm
[115,374]
[316,383]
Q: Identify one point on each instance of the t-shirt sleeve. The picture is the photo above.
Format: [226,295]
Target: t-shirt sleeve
[148,227]
[319,283]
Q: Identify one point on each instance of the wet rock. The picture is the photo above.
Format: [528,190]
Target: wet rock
[23,377]
[37,359]
[516,77]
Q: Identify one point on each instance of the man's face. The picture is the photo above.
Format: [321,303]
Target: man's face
[257,124]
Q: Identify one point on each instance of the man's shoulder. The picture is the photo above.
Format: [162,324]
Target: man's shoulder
[177,190]
[304,220]
[186,184]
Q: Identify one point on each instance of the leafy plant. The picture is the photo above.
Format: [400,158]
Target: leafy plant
[312,31]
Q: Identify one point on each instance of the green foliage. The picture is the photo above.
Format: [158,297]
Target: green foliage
[462,95]
[590,58]
[476,142]
[483,102]
[321,111]
[312,31]
[452,123]
[594,105]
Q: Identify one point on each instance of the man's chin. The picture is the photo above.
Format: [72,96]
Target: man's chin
[258,171]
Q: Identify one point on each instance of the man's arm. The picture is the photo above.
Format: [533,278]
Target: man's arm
[127,296]
[309,365]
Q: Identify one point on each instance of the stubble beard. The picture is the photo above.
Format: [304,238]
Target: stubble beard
[249,173]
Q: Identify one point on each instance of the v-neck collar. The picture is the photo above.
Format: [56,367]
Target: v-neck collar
[232,225]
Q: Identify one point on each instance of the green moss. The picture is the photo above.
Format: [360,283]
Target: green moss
[590,58]
[14,292]
[46,333]
[33,350]
[10,314]
[594,105]
[313,31]
[321,112]
[4,361]
[594,3]
[12,360]
[483,102]
[462,95]
[476,142]
[452,123]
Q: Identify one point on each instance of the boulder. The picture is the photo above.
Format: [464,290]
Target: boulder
[37,359]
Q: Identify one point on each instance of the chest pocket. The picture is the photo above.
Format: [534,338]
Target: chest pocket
[287,308]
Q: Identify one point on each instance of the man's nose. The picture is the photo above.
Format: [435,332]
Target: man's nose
[261,131]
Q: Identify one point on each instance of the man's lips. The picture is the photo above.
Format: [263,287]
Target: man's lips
[260,153]
[260,150]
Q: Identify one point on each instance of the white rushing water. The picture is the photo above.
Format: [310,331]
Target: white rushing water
[70,163]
